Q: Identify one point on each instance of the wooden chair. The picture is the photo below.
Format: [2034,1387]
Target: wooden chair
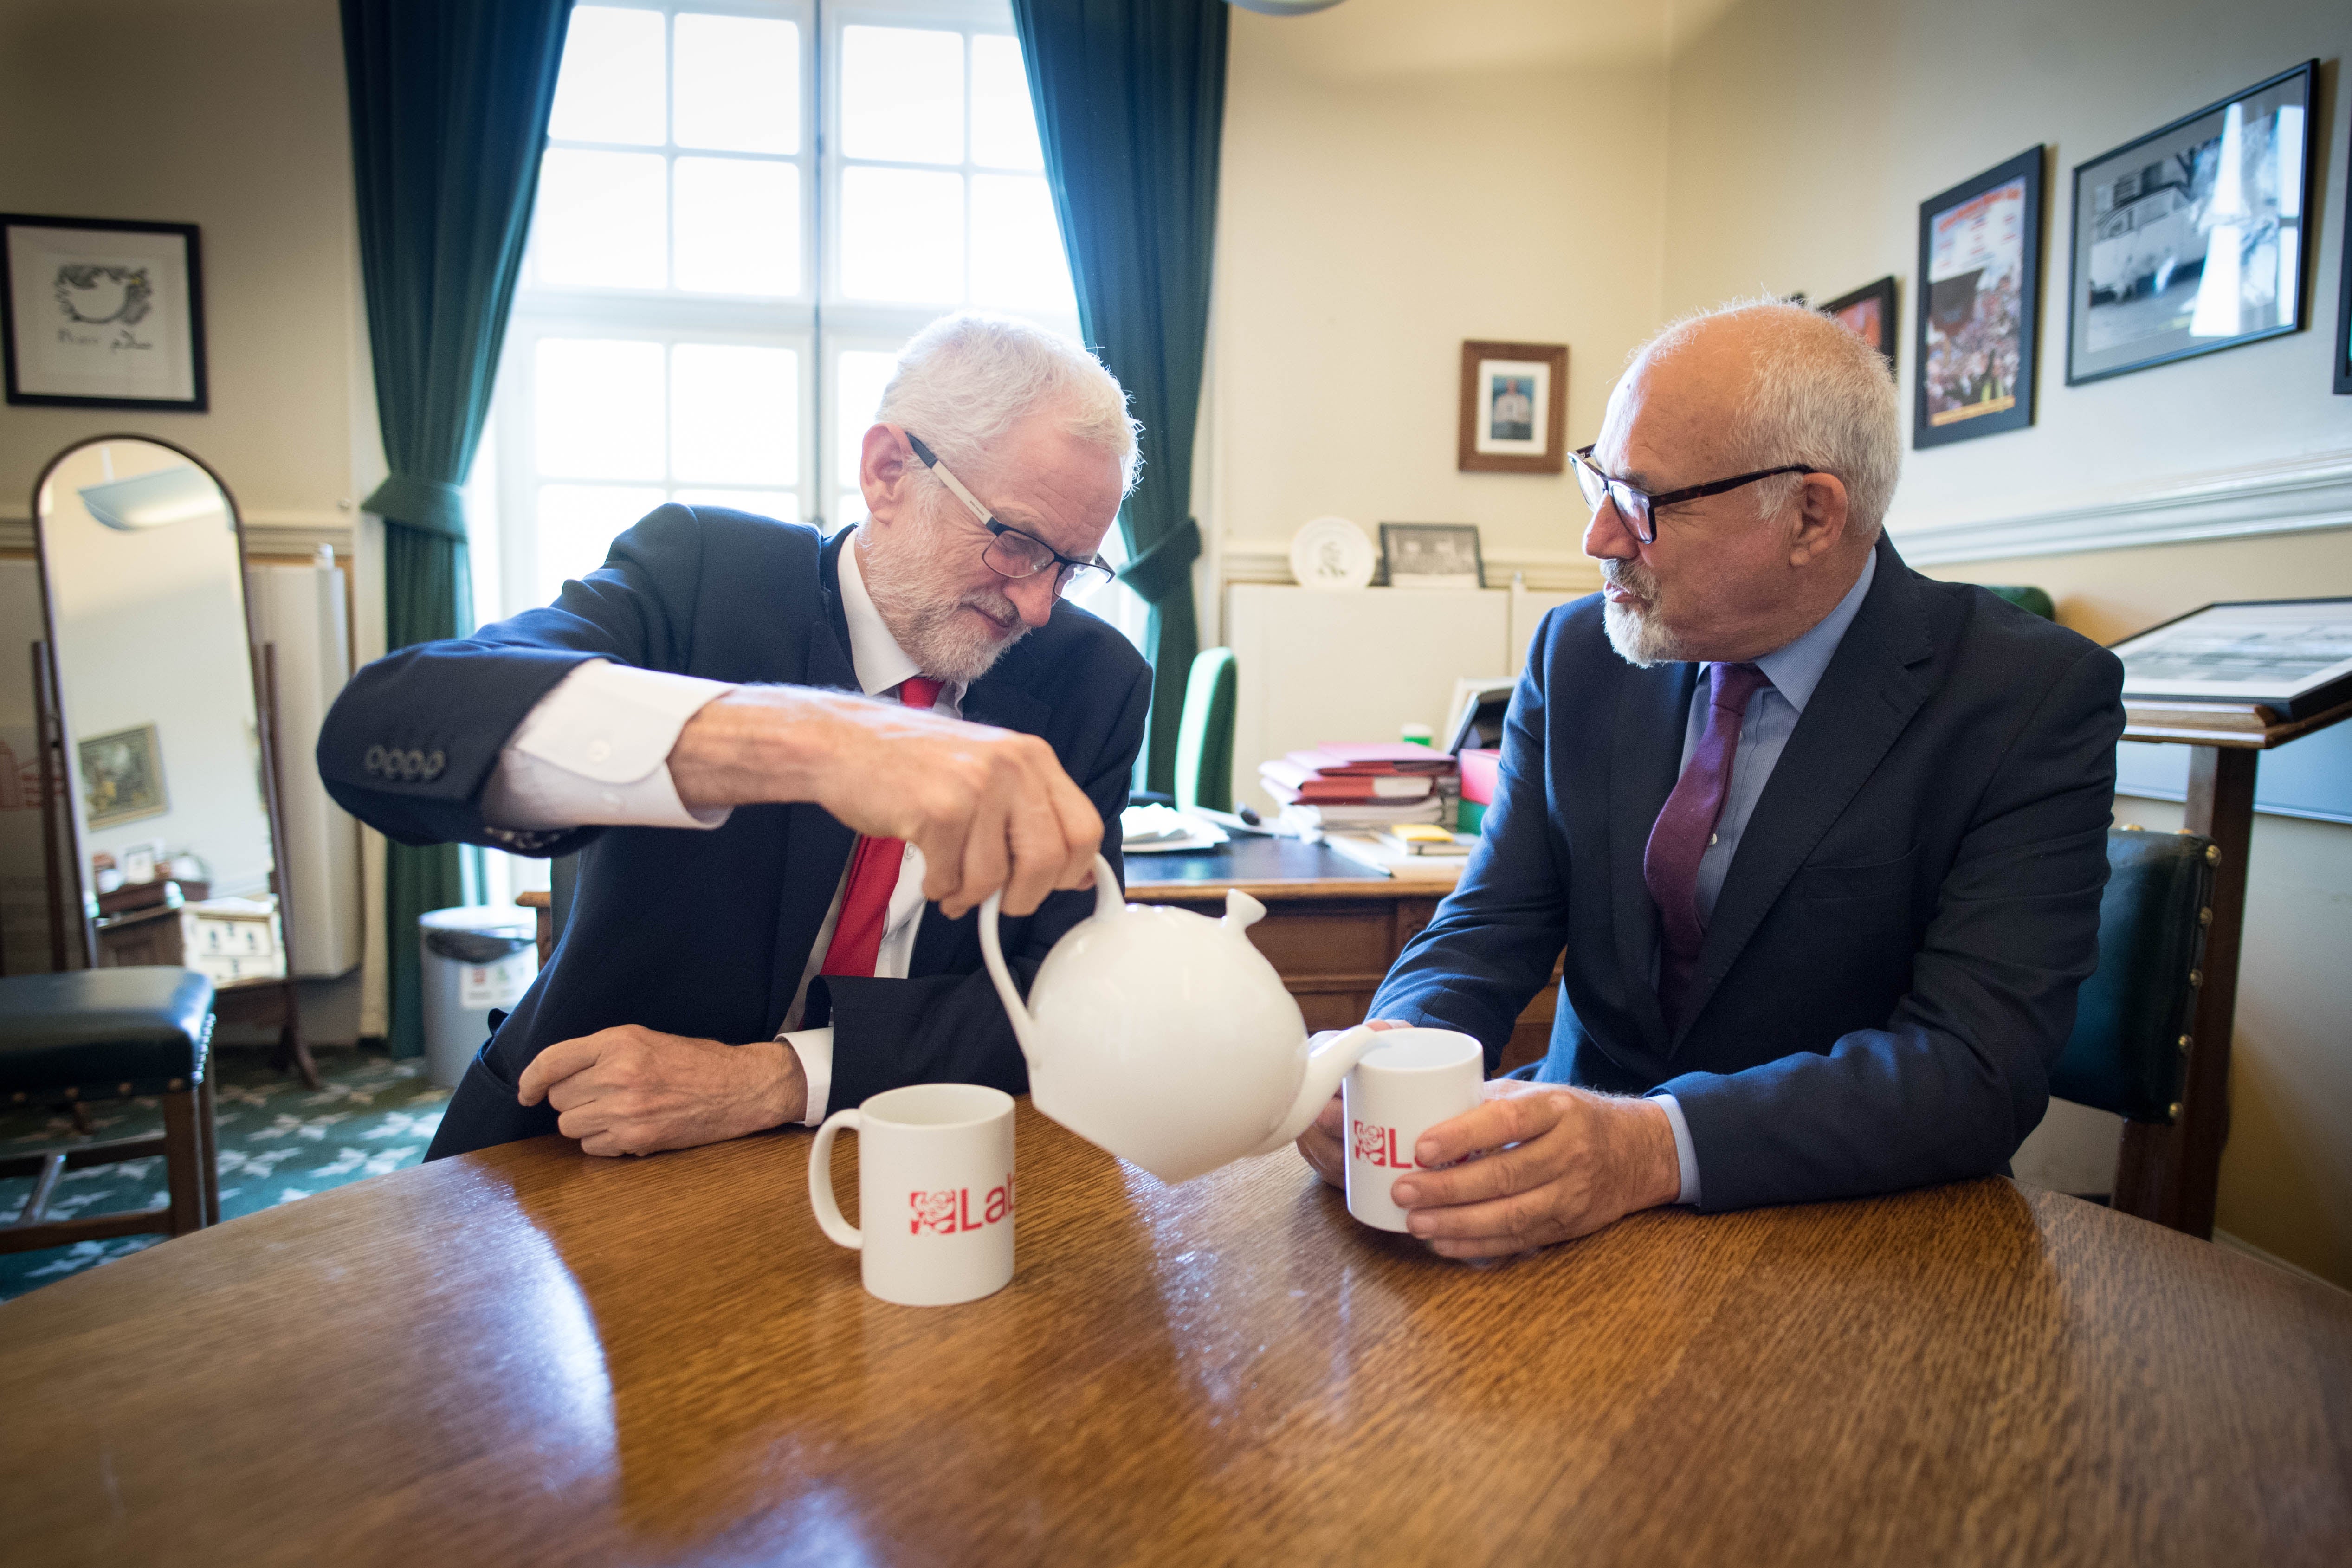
[2135,1017]
[105,1034]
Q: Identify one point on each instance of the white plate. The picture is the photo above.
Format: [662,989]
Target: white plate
[1333,553]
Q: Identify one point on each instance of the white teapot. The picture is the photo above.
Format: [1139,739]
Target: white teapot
[1166,1038]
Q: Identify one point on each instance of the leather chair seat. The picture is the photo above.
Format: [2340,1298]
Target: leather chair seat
[136,1030]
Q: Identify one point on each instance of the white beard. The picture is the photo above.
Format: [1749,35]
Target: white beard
[925,618]
[1637,633]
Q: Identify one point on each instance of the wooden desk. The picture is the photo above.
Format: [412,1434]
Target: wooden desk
[1331,928]
[527,1356]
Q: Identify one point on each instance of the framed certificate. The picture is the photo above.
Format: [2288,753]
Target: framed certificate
[2293,656]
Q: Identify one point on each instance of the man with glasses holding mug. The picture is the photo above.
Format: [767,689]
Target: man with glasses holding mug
[794,768]
[1821,839]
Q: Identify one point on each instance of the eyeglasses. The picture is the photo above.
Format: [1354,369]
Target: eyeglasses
[1639,507]
[1011,552]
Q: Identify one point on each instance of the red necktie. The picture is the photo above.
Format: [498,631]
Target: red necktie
[872,875]
[1686,824]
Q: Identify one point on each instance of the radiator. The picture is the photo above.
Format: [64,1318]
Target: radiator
[301,611]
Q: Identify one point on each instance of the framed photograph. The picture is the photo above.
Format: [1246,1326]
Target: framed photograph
[2344,290]
[123,777]
[2192,238]
[1869,314]
[99,313]
[2293,656]
[1514,408]
[1432,555]
[1981,257]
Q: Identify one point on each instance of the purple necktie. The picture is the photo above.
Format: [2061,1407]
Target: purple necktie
[1686,827]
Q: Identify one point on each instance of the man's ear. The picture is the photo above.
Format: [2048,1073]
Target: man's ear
[1820,518]
[884,472]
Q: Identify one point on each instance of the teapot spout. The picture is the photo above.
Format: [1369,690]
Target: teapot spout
[1325,1068]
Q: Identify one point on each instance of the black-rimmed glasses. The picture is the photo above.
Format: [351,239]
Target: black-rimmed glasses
[1011,553]
[1639,507]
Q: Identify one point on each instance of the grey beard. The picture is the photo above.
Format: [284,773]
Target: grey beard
[952,652]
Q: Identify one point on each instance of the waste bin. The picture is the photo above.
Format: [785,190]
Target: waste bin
[474,959]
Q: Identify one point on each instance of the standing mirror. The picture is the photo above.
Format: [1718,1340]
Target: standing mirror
[159,712]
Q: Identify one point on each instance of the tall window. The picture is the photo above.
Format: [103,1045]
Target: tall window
[745,209]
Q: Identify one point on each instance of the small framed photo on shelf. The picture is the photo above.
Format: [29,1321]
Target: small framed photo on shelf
[1869,314]
[2191,238]
[1514,408]
[99,313]
[1980,260]
[1432,555]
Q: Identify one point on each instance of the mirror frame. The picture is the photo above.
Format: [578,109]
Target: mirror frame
[70,901]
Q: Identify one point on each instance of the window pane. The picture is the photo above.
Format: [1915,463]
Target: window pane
[1016,248]
[599,408]
[611,85]
[902,94]
[739,83]
[576,526]
[902,235]
[734,414]
[600,221]
[782,504]
[859,377]
[1004,125]
[848,507]
[738,226]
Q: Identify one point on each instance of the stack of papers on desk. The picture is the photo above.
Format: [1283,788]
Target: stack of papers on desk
[1160,830]
[1368,850]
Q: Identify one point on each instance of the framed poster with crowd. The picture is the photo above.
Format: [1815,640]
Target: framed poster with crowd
[1981,263]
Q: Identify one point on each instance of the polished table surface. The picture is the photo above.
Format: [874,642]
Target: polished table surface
[527,1356]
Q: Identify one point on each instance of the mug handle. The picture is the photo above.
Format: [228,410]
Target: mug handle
[828,1212]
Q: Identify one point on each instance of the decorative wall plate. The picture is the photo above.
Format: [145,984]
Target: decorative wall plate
[1332,553]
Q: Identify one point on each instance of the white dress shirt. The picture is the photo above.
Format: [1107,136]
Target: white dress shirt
[594,752]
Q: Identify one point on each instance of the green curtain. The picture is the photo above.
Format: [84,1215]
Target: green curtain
[1130,98]
[449,103]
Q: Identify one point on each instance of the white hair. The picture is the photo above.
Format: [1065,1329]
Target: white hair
[1820,396]
[966,379]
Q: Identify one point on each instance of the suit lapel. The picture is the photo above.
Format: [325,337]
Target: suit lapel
[995,698]
[1866,697]
[1646,756]
[816,843]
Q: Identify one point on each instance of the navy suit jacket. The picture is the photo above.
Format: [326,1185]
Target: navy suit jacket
[1892,964]
[706,934]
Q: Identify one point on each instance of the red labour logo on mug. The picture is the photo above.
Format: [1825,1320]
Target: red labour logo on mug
[955,1210]
[1377,1145]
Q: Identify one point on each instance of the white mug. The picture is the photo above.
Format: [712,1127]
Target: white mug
[1414,1079]
[934,1192]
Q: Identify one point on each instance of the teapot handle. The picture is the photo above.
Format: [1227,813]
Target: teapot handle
[1109,900]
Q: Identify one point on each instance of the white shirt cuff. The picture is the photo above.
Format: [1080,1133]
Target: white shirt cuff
[1685,1151]
[594,752]
[814,1048]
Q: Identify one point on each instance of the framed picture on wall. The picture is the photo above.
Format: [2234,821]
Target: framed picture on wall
[123,777]
[1514,408]
[2192,237]
[2344,290]
[1869,314]
[1981,257]
[99,313]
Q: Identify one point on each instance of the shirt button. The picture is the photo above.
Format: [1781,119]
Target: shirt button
[1711,839]
[598,750]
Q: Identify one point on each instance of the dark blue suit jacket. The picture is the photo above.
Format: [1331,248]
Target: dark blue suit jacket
[706,934]
[1892,964]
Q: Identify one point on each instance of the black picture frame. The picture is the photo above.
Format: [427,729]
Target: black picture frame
[2344,295]
[1847,312]
[1397,541]
[1953,310]
[29,384]
[2156,178]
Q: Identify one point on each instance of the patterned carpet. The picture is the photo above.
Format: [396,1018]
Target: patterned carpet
[278,1142]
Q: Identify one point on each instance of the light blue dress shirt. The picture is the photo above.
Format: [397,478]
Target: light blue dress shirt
[1773,713]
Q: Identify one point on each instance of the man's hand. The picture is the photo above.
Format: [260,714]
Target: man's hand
[631,1091]
[989,807]
[1553,1162]
[1321,1145]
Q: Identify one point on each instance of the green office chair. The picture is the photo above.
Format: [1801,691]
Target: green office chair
[2032,599]
[1205,736]
[2134,1017]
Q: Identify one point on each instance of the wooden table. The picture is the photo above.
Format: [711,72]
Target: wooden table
[2172,1173]
[527,1356]
[1332,927]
